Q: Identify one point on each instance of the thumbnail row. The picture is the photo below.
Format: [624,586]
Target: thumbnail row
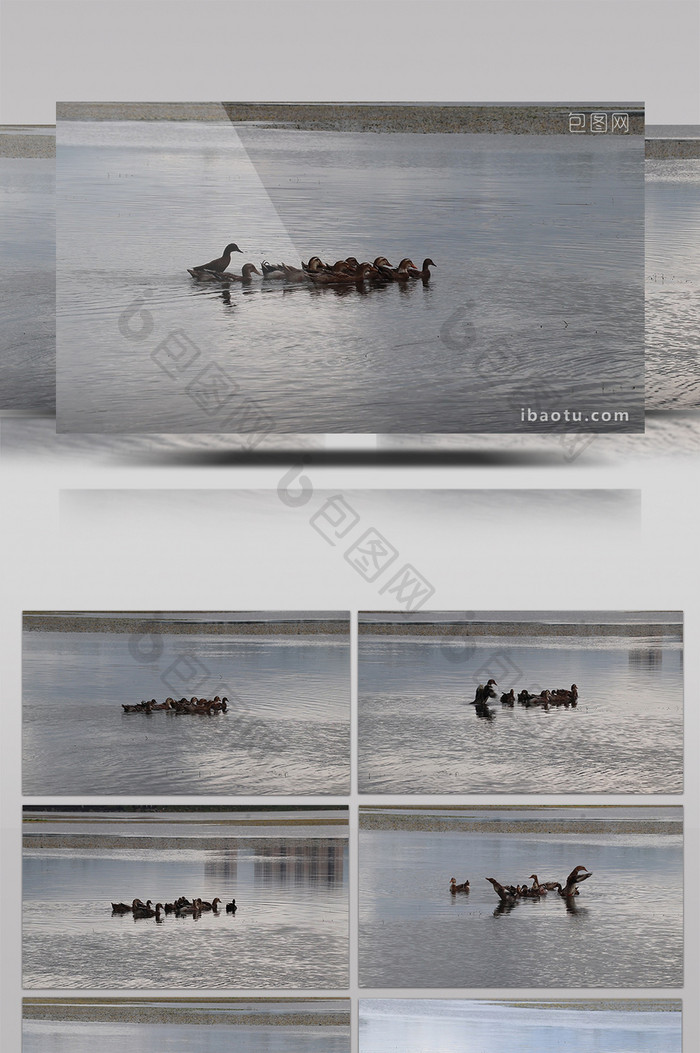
[255,703]
[256,897]
[323,1025]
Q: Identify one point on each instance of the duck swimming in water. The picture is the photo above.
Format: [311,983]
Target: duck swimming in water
[148,912]
[425,273]
[340,277]
[455,888]
[231,907]
[577,875]
[506,894]
[563,696]
[245,277]
[219,265]
[484,692]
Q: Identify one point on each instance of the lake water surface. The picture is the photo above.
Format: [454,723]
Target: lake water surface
[625,929]
[450,1026]
[672,193]
[419,734]
[290,929]
[537,296]
[287,730]
[27,283]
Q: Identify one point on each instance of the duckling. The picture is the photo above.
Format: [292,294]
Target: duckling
[454,887]
[566,697]
[121,908]
[148,912]
[219,265]
[231,907]
[340,278]
[397,274]
[314,264]
[273,270]
[214,905]
[245,277]
[508,698]
[190,908]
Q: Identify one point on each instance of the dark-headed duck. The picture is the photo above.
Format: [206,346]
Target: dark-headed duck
[219,265]
[425,273]
[484,692]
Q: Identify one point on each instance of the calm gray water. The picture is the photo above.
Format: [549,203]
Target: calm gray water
[672,191]
[419,734]
[56,1036]
[450,1026]
[288,731]
[538,295]
[627,929]
[290,929]
[27,284]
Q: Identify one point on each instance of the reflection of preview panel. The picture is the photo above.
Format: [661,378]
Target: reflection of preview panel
[559,897]
[161,897]
[209,1025]
[425,1025]
[186,702]
[520,702]
[211,268]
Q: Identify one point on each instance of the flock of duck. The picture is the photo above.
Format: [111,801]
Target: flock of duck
[181,908]
[201,706]
[510,894]
[560,696]
[346,272]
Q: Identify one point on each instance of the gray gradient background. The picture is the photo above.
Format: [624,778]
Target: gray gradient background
[72,553]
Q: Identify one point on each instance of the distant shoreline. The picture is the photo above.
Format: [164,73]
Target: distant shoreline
[524,119]
[220,1013]
[436,824]
[145,841]
[510,629]
[28,142]
[139,626]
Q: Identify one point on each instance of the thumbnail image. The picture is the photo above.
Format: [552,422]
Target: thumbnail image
[542,896]
[521,702]
[186,702]
[185,897]
[339,268]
